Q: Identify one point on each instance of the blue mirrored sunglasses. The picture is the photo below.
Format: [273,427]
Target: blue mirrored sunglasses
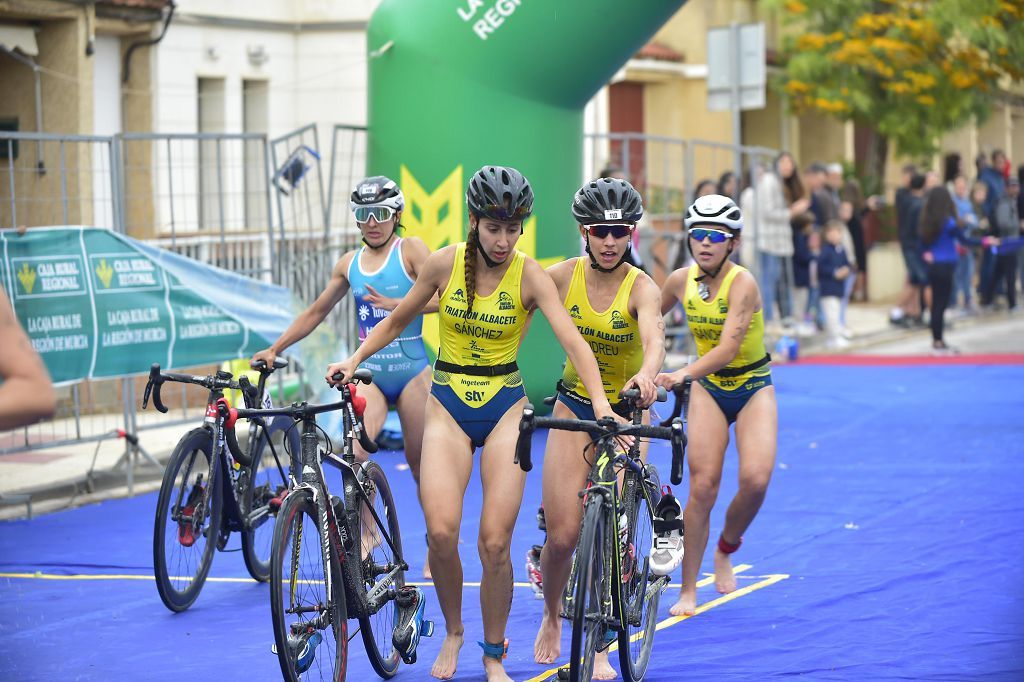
[616,230]
[702,233]
[378,213]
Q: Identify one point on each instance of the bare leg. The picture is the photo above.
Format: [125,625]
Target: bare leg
[565,474]
[503,482]
[709,436]
[411,413]
[756,437]
[448,463]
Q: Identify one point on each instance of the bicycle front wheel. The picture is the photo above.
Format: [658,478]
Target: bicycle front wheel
[588,619]
[378,561]
[265,483]
[636,604]
[310,619]
[187,523]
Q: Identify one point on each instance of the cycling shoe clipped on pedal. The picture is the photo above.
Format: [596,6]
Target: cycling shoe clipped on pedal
[533,571]
[409,622]
[303,649]
[667,548]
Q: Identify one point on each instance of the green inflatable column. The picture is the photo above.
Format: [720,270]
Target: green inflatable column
[456,84]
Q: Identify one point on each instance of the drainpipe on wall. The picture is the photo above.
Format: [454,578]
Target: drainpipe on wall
[127,70]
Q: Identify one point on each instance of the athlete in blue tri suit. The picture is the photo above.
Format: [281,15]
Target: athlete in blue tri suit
[379,274]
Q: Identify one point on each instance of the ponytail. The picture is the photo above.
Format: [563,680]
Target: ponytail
[472,244]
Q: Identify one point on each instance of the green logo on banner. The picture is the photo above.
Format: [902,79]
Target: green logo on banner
[27,277]
[105,273]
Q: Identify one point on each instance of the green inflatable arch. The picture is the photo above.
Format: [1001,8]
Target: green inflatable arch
[456,84]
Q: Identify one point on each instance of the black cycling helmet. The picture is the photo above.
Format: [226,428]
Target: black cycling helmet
[500,193]
[377,190]
[607,200]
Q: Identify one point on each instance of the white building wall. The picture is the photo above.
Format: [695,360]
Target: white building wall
[316,75]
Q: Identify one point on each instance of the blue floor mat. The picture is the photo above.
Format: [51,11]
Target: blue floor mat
[887,548]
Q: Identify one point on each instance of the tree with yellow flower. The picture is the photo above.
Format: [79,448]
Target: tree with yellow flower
[907,70]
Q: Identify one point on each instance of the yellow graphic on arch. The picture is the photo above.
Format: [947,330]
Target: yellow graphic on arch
[27,277]
[105,273]
[436,218]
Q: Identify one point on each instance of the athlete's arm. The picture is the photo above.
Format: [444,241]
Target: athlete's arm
[672,291]
[744,301]
[561,275]
[414,255]
[652,337]
[26,392]
[540,291]
[312,316]
[435,272]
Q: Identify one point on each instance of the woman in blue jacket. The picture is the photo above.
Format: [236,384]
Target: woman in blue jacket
[940,230]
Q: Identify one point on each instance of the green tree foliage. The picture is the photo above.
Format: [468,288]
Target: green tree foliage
[909,70]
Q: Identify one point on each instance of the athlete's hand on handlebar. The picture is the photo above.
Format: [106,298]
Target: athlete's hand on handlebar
[605,410]
[378,300]
[267,355]
[346,368]
[644,384]
[672,379]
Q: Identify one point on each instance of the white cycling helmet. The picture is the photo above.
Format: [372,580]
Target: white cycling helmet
[714,210]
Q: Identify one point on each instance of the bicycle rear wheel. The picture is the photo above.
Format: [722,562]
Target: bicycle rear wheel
[310,630]
[588,624]
[265,483]
[636,604]
[185,530]
[377,560]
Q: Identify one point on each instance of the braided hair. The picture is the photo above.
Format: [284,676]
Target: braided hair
[472,245]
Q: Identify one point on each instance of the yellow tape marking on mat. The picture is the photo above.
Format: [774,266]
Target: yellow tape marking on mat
[38,575]
[763,581]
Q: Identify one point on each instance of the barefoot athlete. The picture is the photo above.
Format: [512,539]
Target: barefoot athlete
[615,307]
[487,293]
[732,383]
[379,274]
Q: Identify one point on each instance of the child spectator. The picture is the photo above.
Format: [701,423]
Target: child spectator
[833,271]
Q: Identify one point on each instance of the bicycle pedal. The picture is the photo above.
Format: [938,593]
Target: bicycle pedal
[562,674]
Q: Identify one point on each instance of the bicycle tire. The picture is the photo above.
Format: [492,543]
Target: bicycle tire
[182,552]
[378,628]
[588,626]
[265,483]
[298,582]
[636,600]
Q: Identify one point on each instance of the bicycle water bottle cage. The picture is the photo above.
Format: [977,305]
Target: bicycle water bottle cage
[409,623]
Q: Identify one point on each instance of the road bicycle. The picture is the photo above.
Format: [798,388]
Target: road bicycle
[612,594]
[339,558]
[210,490]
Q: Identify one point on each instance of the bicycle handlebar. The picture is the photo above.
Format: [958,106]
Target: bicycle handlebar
[599,430]
[219,381]
[300,411]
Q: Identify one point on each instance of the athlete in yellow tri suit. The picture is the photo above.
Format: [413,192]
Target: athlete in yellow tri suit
[732,383]
[615,307]
[487,292]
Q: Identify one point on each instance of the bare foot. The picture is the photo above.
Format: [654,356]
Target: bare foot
[725,579]
[686,605]
[448,658]
[495,670]
[603,670]
[548,645]
[427,575]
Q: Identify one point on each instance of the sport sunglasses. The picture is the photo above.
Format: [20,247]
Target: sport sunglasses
[378,213]
[702,233]
[616,230]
